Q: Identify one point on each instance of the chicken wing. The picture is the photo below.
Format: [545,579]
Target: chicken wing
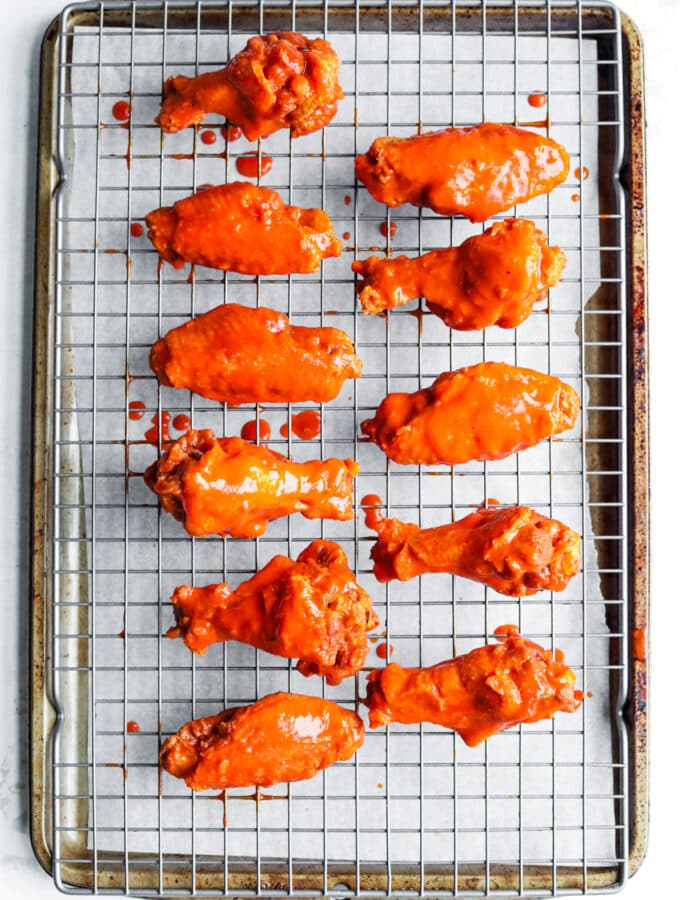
[312,608]
[475,172]
[230,486]
[280,80]
[478,694]
[242,227]
[487,411]
[493,278]
[282,737]
[236,355]
[515,551]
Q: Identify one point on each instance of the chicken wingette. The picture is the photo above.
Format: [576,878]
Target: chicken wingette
[230,486]
[242,227]
[236,354]
[515,551]
[494,278]
[474,172]
[282,737]
[488,690]
[280,80]
[311,609]
[486,411]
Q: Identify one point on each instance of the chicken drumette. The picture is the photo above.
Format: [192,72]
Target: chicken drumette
[311,609]
[475,172]
[515,551]
[242,227]
[282,737]
[486,411]
[236,354]
[479,694]
[493,278]
[230,486]
[280,80]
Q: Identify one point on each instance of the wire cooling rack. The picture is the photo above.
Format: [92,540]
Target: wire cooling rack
[539,810]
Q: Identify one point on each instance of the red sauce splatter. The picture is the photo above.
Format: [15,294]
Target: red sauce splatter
[380,786]
[589,694]
[182,155]
[575,197]
[348,199]
[492,502]
[121,111]
[346,235]
[121,634]
[232,133]
[383,651]
[248,165]
[537,99]
[372,505]
[151,435]
[136,409]
[639,648]
[383,229]
[306,424]
[250,430]
[581,174]
[181,422]
[132,727]
[208,137]
[136,229]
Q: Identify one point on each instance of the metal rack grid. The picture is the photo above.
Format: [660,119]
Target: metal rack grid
[540,810]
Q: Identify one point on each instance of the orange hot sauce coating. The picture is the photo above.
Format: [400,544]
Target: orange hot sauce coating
[515,551]
[493,278]
[311,609]
[488,690]
[280,80]
[235,355]
[242,227]
[282,737]
[230,486]
[483,412]
[474,172]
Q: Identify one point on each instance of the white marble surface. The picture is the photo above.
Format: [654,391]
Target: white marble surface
[22,27]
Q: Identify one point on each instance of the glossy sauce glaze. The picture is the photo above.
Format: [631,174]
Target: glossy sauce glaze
[250,165]
[242,227]
[256,428]
[230,486]
[494,278]
[474,172]
[311,609]
[488,690]
[481,412]
[515,551]
[282,737]
[280,80]
[236,354]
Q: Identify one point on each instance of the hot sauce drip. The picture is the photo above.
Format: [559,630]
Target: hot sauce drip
[392,229]
[250,165]
[282,737]
[121,111]
[208,137]
[373,505]
[383,651]
[581,174]
[136,409]
[181,422]
[311,609]
[488,690]
[132,727]
[494,278]
[306,425]
[151,435]
[231,134]
[136,229]
[537,100]
[254,429]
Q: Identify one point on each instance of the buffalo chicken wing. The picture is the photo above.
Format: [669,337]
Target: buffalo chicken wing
[230,486]
[493,278]
[236,354]
[488,690]
[282,737]
[242,227]
[515,551]
[311,609]
[486,411]
[280,80]
[475,172]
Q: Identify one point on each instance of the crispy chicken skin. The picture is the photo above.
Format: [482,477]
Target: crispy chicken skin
[486,411]
[242,227]
[515,551]
[280,80]
[311,609]
[478,694]
[473,172]
[282,737]
[230,486]
[235,354]
[494,278]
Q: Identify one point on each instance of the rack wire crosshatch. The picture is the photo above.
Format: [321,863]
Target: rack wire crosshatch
[538,811]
